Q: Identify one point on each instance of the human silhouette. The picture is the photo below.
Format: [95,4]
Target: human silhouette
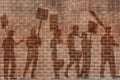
[57,63]
[4,21]
[9,54]
[86,53]
[32,43]
[74,54]
[107,52]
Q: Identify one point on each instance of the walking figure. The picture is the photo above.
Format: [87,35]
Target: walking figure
[32,42]
[57,63]
[107,52]
[9,55]
[86,53]
[74,54]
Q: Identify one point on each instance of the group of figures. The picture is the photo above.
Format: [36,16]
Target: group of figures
[107,53]
[33,42]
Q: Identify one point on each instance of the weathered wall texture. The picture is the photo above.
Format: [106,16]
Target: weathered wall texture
[21,16]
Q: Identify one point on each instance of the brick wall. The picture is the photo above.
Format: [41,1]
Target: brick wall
[21,17]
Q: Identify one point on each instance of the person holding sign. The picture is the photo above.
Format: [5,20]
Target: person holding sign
[33,41]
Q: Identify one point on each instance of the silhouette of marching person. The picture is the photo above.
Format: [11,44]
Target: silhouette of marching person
[32,43]
[86,53]
[74,55]
[107,54]
[9,54]
[57,63]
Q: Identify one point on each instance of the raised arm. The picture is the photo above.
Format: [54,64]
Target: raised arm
[16,43]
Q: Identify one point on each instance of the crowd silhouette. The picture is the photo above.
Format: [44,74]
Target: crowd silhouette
[34,42]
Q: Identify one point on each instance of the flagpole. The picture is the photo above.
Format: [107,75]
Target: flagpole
[97,18]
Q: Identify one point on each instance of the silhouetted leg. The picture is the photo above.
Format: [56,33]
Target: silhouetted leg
[112,66]
[56,69]
[34,65]
[55,63]
[77,67]
[29,58]
[13,66]
[78,56]
[83,71]
[58,64]
[6,64]
[68,67]
[103,62]
[54,56]
[88,64]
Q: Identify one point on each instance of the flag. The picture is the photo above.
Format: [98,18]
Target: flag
[97,18]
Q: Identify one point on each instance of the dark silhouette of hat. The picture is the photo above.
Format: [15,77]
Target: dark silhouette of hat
[107,27]
[84,34]
[11,31]
[75,27]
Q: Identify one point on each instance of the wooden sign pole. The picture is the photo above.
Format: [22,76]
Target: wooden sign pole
[39,27]
[42,14]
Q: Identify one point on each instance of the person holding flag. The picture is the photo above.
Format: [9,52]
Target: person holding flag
[107,52]
[32,42]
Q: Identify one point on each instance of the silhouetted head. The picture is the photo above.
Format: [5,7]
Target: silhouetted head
[5,14]
[57,33]
[11,33]
[75,28]
[108,30]
[33,32]
[84,35]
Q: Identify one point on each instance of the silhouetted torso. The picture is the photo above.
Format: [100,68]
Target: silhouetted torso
[8,45]
[33,42]
[54,43]
[107,42]
[71,44]
[86,45]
